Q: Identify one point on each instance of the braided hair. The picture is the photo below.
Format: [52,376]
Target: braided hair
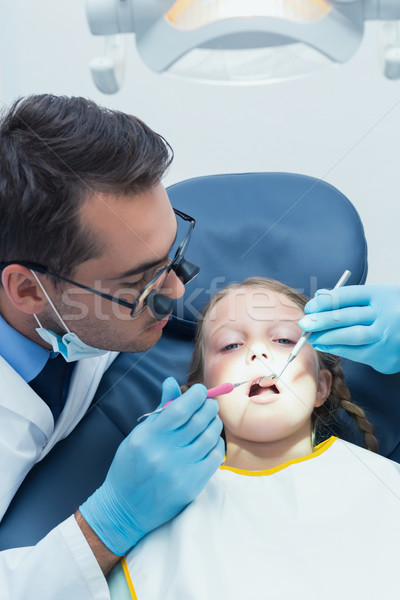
[340,398]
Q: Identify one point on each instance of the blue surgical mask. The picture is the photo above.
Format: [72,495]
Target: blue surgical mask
[69,345]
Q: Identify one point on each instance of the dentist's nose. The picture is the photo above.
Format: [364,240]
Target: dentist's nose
[177,289]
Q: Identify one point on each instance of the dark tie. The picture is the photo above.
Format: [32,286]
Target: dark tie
[52,383]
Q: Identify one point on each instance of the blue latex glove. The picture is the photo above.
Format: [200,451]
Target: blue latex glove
[161,466]
[359,322]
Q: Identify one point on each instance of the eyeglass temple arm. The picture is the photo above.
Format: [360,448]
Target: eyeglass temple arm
[184,243]
[43,271]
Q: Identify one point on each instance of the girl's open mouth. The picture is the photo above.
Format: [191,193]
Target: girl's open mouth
[256,389]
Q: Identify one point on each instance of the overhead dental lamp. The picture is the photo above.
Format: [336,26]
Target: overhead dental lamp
[238,41]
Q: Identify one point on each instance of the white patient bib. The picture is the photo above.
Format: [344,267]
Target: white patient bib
[326,526]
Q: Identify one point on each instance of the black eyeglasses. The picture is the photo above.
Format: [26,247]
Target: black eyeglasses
[160,305]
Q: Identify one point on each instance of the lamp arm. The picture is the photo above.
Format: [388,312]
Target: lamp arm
[108,70]
[110,17]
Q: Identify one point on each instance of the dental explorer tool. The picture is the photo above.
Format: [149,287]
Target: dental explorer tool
[306,335]
[219,390]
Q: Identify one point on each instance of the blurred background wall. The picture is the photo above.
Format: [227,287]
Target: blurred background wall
[341,125]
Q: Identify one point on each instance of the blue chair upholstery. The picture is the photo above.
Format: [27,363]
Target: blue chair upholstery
[290,227]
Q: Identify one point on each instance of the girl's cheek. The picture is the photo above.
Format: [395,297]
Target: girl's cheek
[310,366]
[216,370]
[212,369]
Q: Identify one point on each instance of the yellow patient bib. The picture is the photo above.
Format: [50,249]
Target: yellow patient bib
[327,526]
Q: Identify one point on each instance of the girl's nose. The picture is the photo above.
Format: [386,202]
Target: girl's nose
[258,352]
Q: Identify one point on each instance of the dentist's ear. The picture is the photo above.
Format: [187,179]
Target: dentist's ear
[324,386]
[22,289]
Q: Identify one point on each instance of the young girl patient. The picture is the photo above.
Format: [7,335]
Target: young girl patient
[281,518]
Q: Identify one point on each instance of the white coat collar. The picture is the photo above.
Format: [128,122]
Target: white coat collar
[27,430]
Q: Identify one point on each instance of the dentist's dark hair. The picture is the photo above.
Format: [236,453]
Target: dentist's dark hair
[339,398]
[55,152]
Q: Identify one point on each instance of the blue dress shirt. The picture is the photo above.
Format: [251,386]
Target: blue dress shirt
[24,356]
[30,361]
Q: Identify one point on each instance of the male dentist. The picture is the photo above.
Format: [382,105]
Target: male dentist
[86,228]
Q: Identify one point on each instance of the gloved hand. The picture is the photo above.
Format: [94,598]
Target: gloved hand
[359,322]
[158,469]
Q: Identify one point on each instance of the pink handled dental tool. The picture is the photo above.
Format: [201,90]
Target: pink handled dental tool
[224,388]
[219,390]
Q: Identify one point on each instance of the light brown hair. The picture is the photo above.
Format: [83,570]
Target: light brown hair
[339,396]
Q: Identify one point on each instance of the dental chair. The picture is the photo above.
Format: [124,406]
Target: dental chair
[293,228]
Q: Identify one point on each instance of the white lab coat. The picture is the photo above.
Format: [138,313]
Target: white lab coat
[61,565]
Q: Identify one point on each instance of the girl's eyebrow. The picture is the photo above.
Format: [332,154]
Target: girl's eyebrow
[230,326]
[274,323]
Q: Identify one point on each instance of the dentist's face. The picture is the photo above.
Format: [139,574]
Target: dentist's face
[137,233]
[250,333]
